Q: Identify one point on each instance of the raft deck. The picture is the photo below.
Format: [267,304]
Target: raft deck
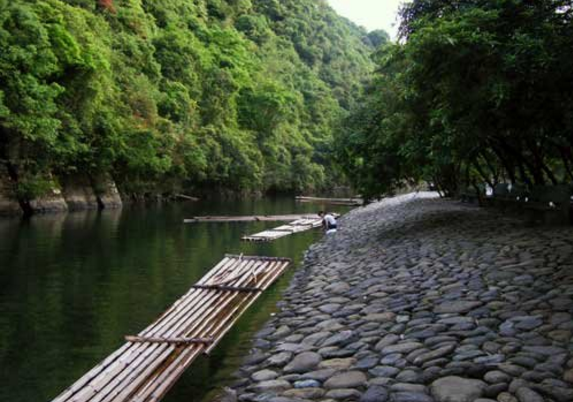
[332,201]
[150,363]
[250,218]
[300,225]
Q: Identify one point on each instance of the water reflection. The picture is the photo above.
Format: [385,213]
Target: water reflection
[72,285]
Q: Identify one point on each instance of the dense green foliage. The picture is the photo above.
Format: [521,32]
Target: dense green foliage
[476,91]
[238,94]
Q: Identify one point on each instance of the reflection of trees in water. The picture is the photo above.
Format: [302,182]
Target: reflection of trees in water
[74,284]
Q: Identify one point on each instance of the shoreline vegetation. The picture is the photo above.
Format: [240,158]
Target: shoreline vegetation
[172,97]
[475,93]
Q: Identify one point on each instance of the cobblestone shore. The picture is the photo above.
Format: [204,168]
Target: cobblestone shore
[417,300]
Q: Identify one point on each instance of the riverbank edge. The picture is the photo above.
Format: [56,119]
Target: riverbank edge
[79,192]
[85,192]
[421,300]
[298,282]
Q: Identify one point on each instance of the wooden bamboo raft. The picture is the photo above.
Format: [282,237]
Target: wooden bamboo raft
[333,201]
[300,225]
[149,364]
[253,218]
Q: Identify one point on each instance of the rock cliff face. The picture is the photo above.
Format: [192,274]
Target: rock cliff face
[9,205]
[52,202]
[107,193]
[79,193]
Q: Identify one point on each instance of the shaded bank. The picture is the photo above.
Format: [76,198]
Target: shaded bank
[68,193]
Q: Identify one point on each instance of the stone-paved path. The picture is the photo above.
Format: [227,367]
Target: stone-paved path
[420,300]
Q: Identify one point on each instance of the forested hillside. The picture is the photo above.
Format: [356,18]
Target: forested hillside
[476,91]
[175,94]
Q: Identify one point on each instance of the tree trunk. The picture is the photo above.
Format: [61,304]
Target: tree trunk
[540,164]
[495,172]
[523,164]
[507,166]
[482,173]
[24,204]
[566,164]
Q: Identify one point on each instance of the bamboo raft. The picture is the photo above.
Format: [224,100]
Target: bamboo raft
[149,364]
[333,201]
[300,225]
[253,218]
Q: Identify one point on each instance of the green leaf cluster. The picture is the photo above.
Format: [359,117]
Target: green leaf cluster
[475,92]
[235,94]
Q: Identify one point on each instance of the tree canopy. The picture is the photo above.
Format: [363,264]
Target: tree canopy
[237,94]
[475,91]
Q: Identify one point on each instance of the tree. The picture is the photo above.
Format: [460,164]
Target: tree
[480,94]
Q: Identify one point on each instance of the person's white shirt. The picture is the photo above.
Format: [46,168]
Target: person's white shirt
[330,220]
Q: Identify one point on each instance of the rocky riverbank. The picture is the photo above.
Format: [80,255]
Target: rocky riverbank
[73,193]
[419,300]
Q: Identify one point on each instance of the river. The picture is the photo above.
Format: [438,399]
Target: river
[72,285]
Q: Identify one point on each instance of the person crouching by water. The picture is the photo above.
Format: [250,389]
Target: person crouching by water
[328,222]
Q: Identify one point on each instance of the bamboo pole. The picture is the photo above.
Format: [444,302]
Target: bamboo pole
[228,288]
[176,341]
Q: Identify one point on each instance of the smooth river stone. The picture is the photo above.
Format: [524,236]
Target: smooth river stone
[337,364]
[316,338]
[271,386]
[496,376]
[329,308]
[457,389]
[264,375]
[280,359]
[304,393]
[307,384]
[384,371]
[434,354]
[303,362]
[411,397]
[343,395]
[350,379]
[375,394]
[405,347]
[387,340]
[528,395]
[319,375]
[456,307]
[380,317]
[340,338]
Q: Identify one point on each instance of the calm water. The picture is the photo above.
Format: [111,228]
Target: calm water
[71,286]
